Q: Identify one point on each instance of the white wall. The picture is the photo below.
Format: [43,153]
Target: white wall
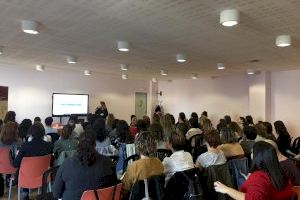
[218,96]
[30,92]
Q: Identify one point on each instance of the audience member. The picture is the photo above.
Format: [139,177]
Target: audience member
[141,126]
[48,127]
[284,138]
[147,121]
[37,119]
[10,116]
[267,180]
[101,110]
[194,130]
[236,129]
[23,129]
[261,132]
[9,137]
[102,140]
[194,115]
[168,126]
[248,140]
[231,148]
[113,134]
[87,170]
[269,130]
[202,118]
[249,120]
[133,125]
[172,119]
[145,167]
[157,131]
[221,125]
[243,121]
[207,125]
[156,118]
[109,122]
[78,129]
[213,156]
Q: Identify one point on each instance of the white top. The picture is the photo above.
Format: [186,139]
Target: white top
[77,131]
[192,132]
[210,158]
[177,162]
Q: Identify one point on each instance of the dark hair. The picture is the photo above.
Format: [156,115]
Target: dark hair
[123,133]
[147,121]
[74,118]
[9,133]
[204,113]
[145,144]
[182,116]
[212,137]
[86,151]
[250,132]
[155,118]
[67,131]
[177,141]
[157,131]
[265,159]
[261,130]
[194,115]
[132,116]
[114,124]
[48,121]
[249,119]
[10,116]
[221,125]
[236,128]
[99,128]
[243,121]
[172,119]
[269,127]
[228,136]
[280,128]
[182,128]
[194,122]
[1,123]
[141,125]
[91,118]
[37,119]
[227,119]
[24,127]
[37,130]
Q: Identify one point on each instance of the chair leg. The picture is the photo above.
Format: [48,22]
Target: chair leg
[19,193]
[10,186]
[50,187]
[39,190]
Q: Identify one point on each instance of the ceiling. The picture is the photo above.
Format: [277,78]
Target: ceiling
[157,30]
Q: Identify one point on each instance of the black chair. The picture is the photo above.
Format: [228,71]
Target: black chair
[133,157]
[196,146]
[48,175]
[114,159]
[162,153]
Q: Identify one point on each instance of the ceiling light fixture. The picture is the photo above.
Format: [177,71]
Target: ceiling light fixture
[250,72]
[154,80]
[124,76]
[1,50]
[30,27]
[164,72]
[71,59]
[40,68]
[123,46]
[180,58]
[124,67]
[87,72]
[283,40]
[220,66]
[195,76]
[229,17]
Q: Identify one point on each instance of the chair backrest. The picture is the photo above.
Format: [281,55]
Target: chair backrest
[162,153]
[5,164]
[133,157]
[109,193]
[31,171]
[196,146]
[297,190]
[236,167]
[63,156]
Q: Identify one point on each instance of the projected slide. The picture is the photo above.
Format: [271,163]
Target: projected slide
[67,104]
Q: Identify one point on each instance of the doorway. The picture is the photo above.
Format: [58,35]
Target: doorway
[140,104]
[3,101]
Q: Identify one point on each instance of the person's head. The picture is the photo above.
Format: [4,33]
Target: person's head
[269,127]
[166,123]
[261,130]
[37,119]
[182,128]
[114,124]
[236,128]
[10,116]
[37,131]
[181,117]
[145,144]
[110,119]
[228,136]
[172,119]
[243,121]
[280,128]
[102,103]
[212,138]
[155,118]
[24,127]
[133,120]
[86,151]
[176,141]
[194,122]
[265,159]
[146,119]
[99,128]
[141,126]
[207,125]
[123,133]
[204,113]
[227,119]
[221,125]
[66,132]
[74,118]
[194,115]
[157,130]
[9,133]
[249,120]
[250,132]
[48,121]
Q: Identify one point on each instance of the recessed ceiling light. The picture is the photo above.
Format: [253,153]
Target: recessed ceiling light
[40,68]
[124,67]
[164,72]
[154,80]
[123,46]
[180,58]
[195,76]
[30,27]
[283,40]
[71,59]
[229,17]
[87,72]
[250,72]
[124,76]
[1,50]
[220,66]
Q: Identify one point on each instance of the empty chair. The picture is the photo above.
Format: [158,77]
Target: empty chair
[31,172]
[113,193]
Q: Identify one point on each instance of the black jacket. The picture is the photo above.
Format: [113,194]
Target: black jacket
[31,149]
[72,178]
[102,112]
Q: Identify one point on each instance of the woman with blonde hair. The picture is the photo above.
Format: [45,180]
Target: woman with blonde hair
[166,123]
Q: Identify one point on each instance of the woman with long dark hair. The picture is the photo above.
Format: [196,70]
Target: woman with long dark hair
[87,170]
[284,138]
[267,180]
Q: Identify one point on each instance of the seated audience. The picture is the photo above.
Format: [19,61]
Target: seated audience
[213,156]
[78,129]
[207,125]
[236,129]
[156,118]
[46,138]
[267,180]
[147,121]
[221,125]
[141,126]
[231,148]
[249,120]
[37,119]
[284,138]
[194,115]
[157,131]
[145,167]
[248,140]
[202,118]
[109,122]
[23,129]
[87,170]
[167,124]
[269,130]
[10,116]
[133,125]
[172,119]
[66,142]
[48,127]
[180,160]
[9,137]
[113,134]
[182,126]
[194,130]
[261,132]
[242,122]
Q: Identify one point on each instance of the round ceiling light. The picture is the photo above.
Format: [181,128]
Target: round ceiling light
[195,76]
[123,46]
[250,72]
[154,80]
[71,59]
[30,27]
[180,58]
[124,76]
[40,68]
[283,40]
[124,67]
[87,72]
[229,17]
[220,66]
[164,72]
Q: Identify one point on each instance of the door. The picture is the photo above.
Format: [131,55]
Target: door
[3,101]
[140,104]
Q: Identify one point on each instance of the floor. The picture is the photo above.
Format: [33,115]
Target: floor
[14,195]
